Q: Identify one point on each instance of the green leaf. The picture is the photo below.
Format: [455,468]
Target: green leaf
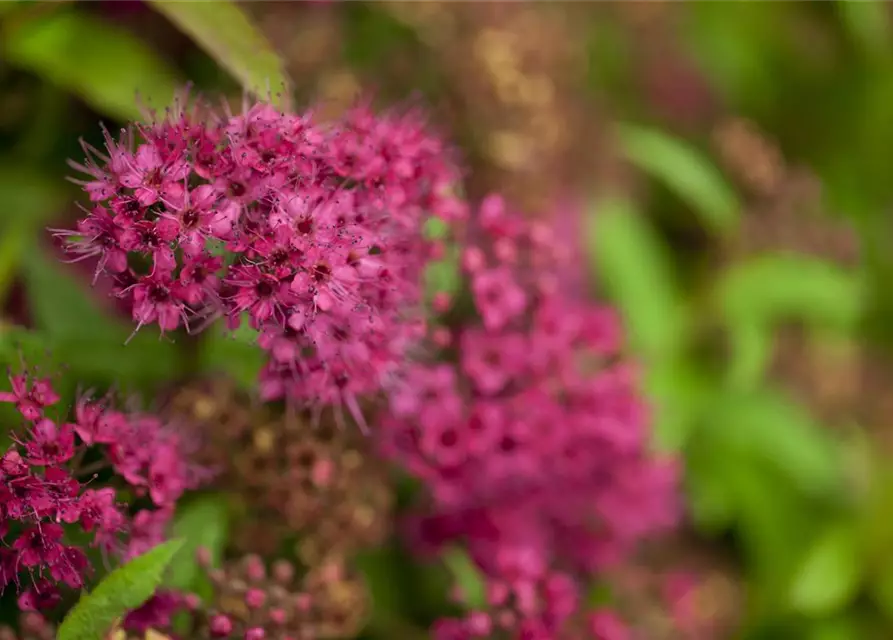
[104,65]
[683,170]
[751,354]
[235,354]
[60,303]
[830,574]
[629,258]
[223,30]
[678,393]
[28,196]
[768,426]
[467,577]
[775,287]
[84,337]
[202,522]
[868,24]
[125,588]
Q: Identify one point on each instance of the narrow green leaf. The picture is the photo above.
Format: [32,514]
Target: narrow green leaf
[202,522]
[223,30]
[125,588]
[467,577]
[830,574]
[775,287]
[630,260]
[104,65]
[685,171]
[751,354]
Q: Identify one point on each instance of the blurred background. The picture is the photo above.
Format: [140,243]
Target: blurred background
[731,162]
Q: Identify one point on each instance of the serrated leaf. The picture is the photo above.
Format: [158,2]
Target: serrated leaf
[685,171]
[125,588]
[103,64]
[774,287]
[633,264]
[467,577]
[202,522]
[227,34]
[830,574]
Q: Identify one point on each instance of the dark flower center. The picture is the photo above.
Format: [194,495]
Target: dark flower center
[264,289]
[159,293]
[190,218]
[321,272]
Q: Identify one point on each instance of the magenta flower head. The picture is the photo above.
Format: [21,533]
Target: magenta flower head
[534,446]
[47,490]
[311,234]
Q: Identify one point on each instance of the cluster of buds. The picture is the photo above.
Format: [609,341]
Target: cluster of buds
[50,483]
[253,602]
[321,483]
[313,233]
[534,446]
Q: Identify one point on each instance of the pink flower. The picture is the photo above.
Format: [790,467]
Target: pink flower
[498,297]
[323,229]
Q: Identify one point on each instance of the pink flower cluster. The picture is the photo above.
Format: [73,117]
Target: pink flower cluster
[314,233]
[533,446]
[49,482]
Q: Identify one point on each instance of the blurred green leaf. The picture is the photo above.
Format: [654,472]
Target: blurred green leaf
[868,24]
[767,425]
[685,171]
[750,354]
[104,65]
[201,522]
[678,392]
[378,567]
[831,573]
[226,32]
[84,338]
[60,304]
[467,578]
[235,354]
[28,196]
[125,588]
[629,258]
[774,287]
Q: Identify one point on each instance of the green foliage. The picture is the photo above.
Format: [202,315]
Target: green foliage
[829,576]
[125,588]
[201,522]
[630,260]
[87,340]
[685,171]
[235,354]
[775,287]
[224,30]
[93,59]
[467,577]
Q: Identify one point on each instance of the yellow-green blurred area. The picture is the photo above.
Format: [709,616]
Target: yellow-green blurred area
[735,161]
